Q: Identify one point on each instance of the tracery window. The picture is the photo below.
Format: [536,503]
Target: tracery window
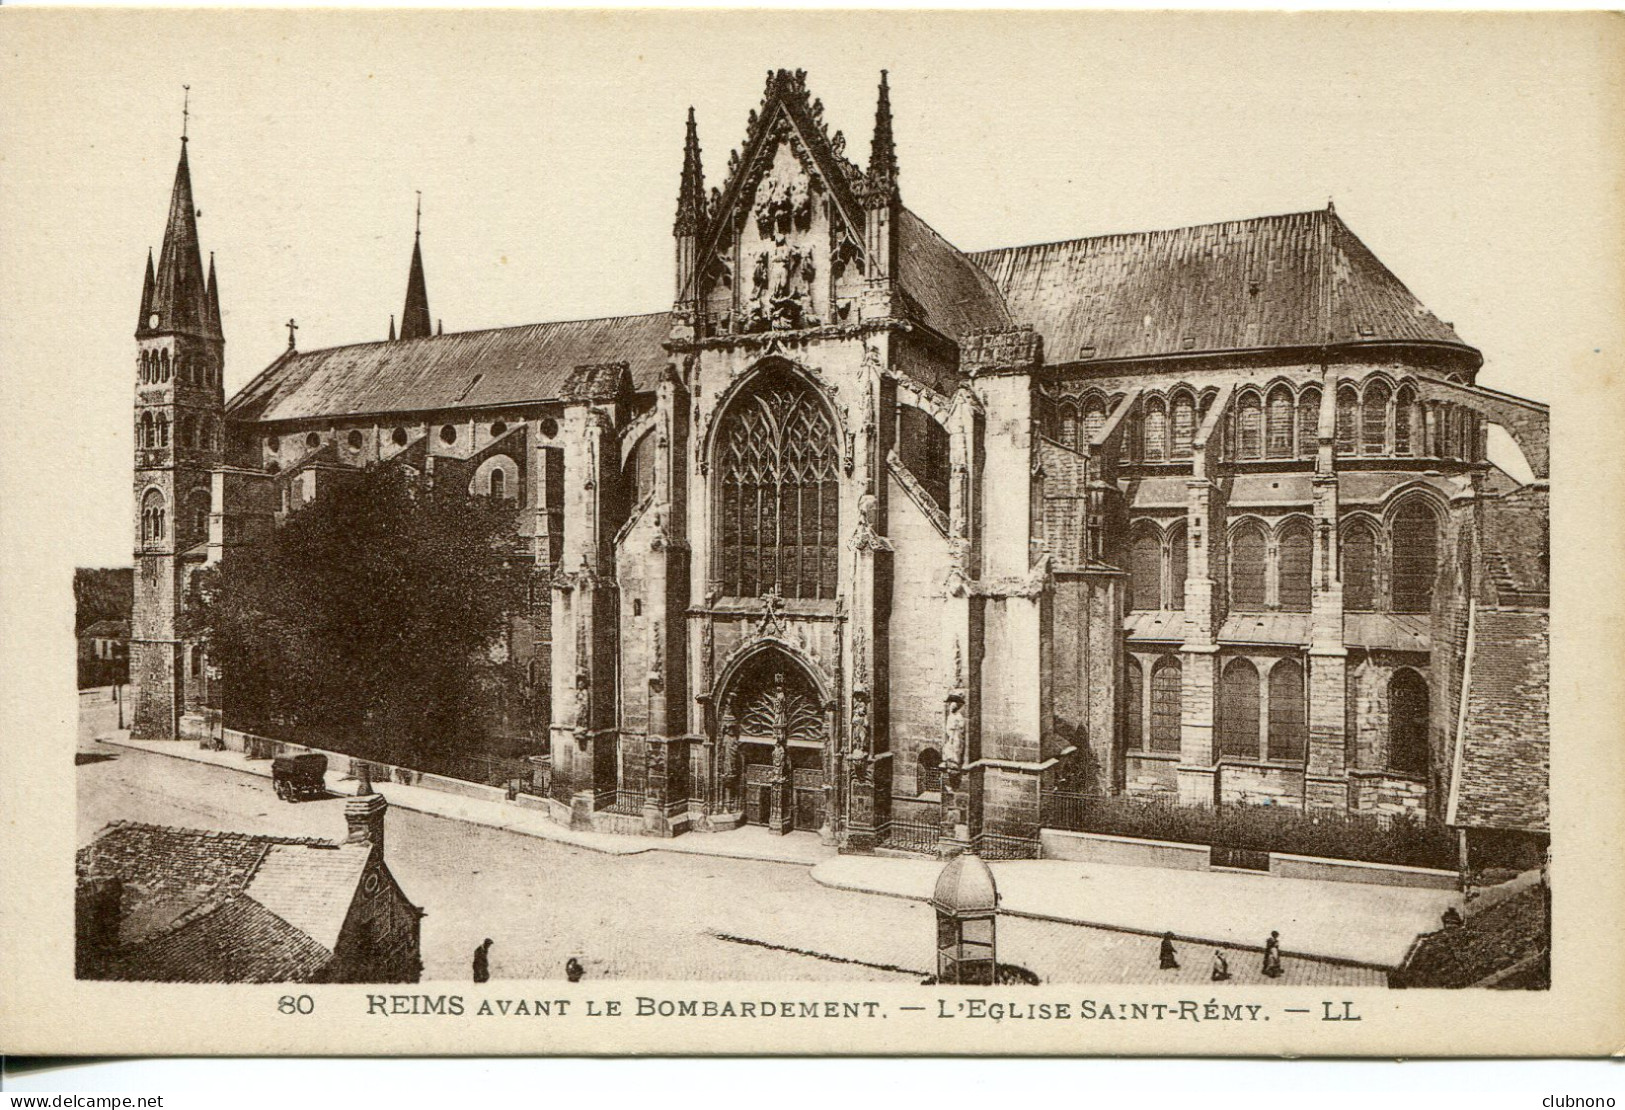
[1145,569]
[1359,544]
[1374,420]
[1178,566]
[1408,723]
[1278,431]
[1133,705]
[1067,425]
[1289,738]
[1309,422]
[1405,415]
[1094,418]
[1184,426]
[1415,536]
[1249,428]
[1348,419]
[1238,710]
[1293,563]
[777,497]
[1247,567]
[1165,697]
[1156,432]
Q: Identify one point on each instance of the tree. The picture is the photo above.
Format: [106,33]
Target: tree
[373,620]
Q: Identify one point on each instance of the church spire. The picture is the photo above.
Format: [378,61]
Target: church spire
[392,327]
[212,301]
[691,192]
[882,149]
[180,295]
[415,316]
[146,297]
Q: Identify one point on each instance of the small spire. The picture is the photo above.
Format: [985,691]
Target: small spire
[883,149]
[439,326]
[415,316]
[146,297]
[392,327]
[691,191]
[1331,208]
[212,300]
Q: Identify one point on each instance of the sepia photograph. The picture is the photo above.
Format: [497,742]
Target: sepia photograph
[650,503]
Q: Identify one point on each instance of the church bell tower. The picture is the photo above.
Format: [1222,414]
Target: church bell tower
[179,441]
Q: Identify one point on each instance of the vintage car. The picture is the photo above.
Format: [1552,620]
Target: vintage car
[301,777]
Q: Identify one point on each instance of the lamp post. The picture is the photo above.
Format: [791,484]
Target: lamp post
[967,903]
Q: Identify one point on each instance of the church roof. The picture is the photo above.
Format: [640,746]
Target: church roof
[475,369]
[1295,280]
[946,290]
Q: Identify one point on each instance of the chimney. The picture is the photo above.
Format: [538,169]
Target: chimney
[365,819]
[96,920]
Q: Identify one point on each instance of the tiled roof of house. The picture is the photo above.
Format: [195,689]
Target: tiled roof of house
[475,369]
[206,906]
[1295,280]
[1505,749]
[112,630]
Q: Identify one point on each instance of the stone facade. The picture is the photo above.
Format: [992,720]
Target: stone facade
[871,538]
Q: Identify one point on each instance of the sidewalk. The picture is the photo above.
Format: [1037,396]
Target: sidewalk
[748,842]
[1372,926]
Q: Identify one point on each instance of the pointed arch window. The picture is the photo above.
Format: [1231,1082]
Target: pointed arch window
[1178,566]
[1308,422]
[1238,710]
[1184,426]
[777,494]
[1133,704]
[1250,428]
[1289,735]
[1415,536]
[1408,723]
[1145,568]
[1374,419]
[1067,432]
[1404,416]
[1359,571]
[1278,424]
[1293,565]
[1247,566]
[1156,432]
[1094,418]
[1165,698]
[1348,419]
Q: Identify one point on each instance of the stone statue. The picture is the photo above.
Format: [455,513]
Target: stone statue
[859,749]
[953,733]
[730,760]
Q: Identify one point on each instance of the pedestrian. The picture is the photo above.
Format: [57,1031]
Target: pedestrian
[1272,955]
[1168,957]
[482,961]
[573,970]
[1221,967]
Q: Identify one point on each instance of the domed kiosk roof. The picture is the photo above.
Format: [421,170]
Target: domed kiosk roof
[966,886]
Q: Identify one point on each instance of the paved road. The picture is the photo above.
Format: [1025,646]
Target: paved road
[653,916]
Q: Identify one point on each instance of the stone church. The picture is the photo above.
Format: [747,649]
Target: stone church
[882,540]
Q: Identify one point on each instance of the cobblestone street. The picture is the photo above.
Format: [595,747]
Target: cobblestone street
[658,915]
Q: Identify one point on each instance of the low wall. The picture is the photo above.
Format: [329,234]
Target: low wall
[1122,850]
[1356,871]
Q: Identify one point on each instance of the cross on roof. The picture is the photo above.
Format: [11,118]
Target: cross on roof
[292,327]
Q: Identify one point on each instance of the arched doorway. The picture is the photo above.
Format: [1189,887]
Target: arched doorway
[773,744]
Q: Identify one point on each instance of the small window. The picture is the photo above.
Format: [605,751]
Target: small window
[273,444]
[448,434]
[1408,723]
[1348,419]
[1238,710]
[1295,559]
[398,437]
[928,771]
[550,427]
[499,429]
[313,441]
[1289,734]
[1133,707]
[499,483]
[354,439]
[1374,420]
[1247,569]
[1359,544]
[1165,706]
[1308,422]
[1184,427]
[1249,429]
[1278,424]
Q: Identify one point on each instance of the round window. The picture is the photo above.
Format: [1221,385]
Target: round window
[354,439]
[273,444]
[313,441]
[398,437]
[499,429]
[448,434]
[550,427]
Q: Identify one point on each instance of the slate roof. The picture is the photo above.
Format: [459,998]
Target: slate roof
[208,906]
[1295,280]
[949,293]
[1505,742]
[112,630]
[474,369]
[1388,631]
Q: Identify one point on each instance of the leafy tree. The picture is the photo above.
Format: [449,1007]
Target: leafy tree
[372,621]
[102,594]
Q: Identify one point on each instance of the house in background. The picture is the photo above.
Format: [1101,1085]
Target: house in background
[104,654]
[163,904]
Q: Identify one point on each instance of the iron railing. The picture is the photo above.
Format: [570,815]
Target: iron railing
[903,835]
